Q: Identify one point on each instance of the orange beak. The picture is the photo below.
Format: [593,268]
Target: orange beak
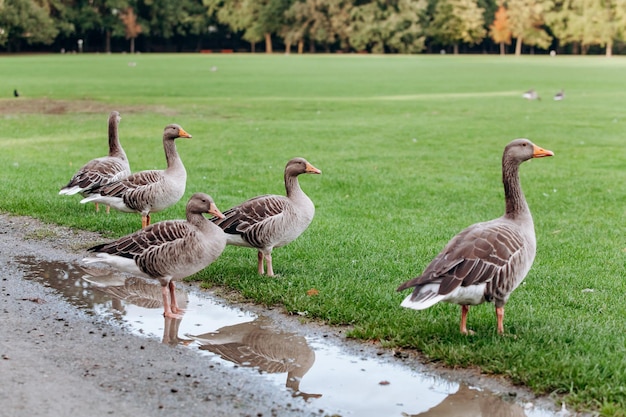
[540,152]
[215,211]
[310,169]
[183,134]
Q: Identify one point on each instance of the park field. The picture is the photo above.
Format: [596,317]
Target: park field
[410,148]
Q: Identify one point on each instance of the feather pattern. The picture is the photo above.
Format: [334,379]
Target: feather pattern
[149,191]
[168,250]
[270,221]
[486,261]
[104,170]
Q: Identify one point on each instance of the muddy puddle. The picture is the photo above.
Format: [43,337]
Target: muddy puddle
[328,377]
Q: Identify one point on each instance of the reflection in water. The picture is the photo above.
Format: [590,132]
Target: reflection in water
[470,402]
[260,345]
[347,383]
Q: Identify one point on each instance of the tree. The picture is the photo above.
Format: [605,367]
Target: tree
[259,19]
[323,21]
[393,24]
[457,21]
[133,29]
[526,18]
[26,21]
[588,22]
[499,29]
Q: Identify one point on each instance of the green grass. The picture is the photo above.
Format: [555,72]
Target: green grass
[410,150]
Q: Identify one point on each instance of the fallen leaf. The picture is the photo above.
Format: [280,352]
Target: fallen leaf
[312,292]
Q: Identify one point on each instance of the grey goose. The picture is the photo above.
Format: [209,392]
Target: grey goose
[149,191]
[167,251]
[270,221]
[488,260]
[104,170]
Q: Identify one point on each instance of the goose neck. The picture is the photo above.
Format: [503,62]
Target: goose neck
[115,149]
[171,154]
[292,186]
[516,205]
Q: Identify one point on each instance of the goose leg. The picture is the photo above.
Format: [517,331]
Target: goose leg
[500,319]
[260,263]
[108,209]
[145,220]
[97,208]
[167,307]
[268,261]
[464,311]
[174,304]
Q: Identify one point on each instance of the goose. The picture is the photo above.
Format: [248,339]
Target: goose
[559,96]
[488,260]
[270,221]
[150,191]
[531,95]
[168,250]
[101,171]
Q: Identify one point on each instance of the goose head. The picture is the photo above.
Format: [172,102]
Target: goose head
[202,203]
[298,166]
[521,150]
[174,131]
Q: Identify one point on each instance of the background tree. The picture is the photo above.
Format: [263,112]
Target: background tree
[25,21]
[457,21]
[588,22]
[321,21]
[499,29]
[395,25]
[132,28]
[526,18]
[236,14]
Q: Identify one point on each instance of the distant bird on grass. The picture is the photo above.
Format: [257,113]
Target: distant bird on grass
[270,221]
[15,93]
[101,171]
[168,250]
[559,96]
[531,95]
[150,191]
[488,260]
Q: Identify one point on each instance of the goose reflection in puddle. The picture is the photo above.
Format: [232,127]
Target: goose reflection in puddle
[470,402]
[260,345]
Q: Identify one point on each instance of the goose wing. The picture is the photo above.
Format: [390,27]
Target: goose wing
[252,215]
[149,239]
[479,254]
[97,172]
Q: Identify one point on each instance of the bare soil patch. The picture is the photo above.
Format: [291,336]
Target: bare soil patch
[22,105]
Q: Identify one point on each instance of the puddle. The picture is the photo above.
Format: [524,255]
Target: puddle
[312,368]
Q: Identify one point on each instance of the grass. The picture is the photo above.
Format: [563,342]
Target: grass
[410,150]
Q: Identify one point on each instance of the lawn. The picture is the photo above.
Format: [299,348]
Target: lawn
[410,148]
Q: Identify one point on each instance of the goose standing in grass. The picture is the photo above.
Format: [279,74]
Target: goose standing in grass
[151,191]
[101,171]
[560,95]
[168,250]
[488,260]
[531,95]
[270,221]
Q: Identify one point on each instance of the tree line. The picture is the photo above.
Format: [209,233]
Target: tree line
[296,26]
